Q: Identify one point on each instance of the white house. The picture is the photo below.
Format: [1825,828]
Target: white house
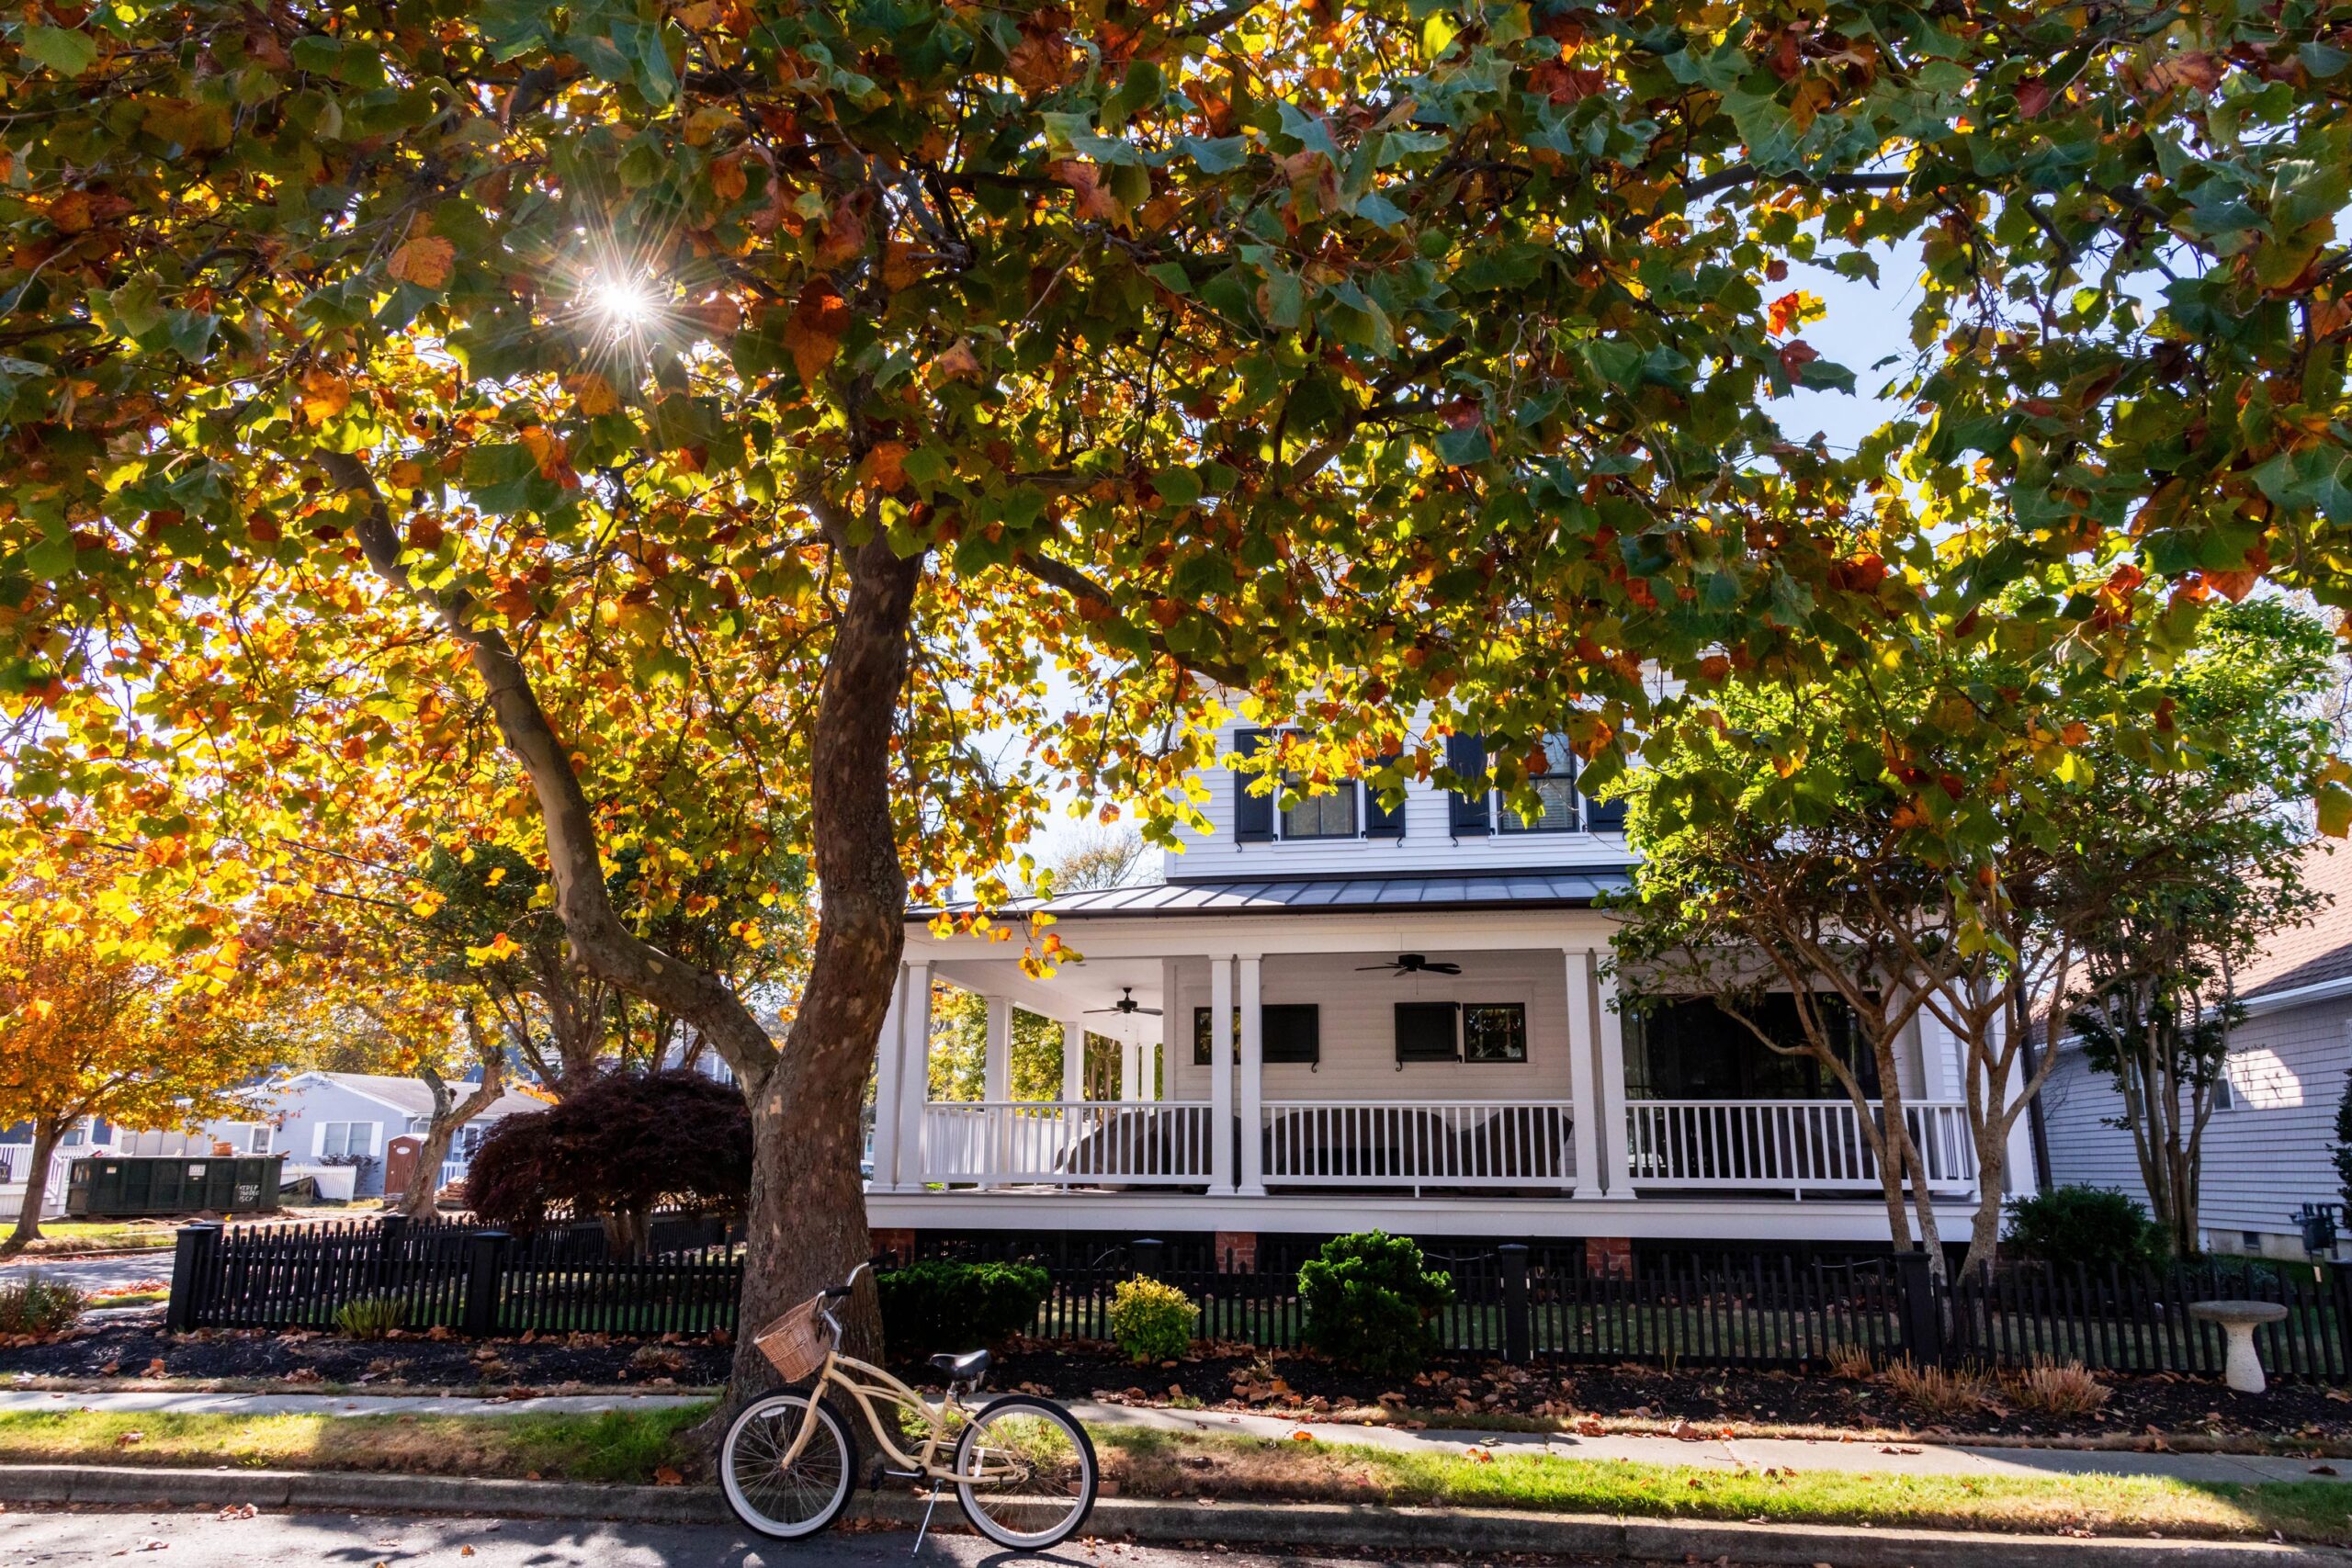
[1402,1020]
[2267,1148]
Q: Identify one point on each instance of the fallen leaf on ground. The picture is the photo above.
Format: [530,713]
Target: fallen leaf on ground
[665,1476]
[236,1511]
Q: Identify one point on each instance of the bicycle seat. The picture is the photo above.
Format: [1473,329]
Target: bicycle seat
[970,1367]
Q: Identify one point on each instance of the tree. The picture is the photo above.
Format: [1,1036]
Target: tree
[95,1021]
[2209,862]
[1349,356]
[451,1112]
[616,1148]
[1110,857]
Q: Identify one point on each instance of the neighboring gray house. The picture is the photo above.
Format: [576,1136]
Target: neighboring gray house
[2267,1149]
[336,1121]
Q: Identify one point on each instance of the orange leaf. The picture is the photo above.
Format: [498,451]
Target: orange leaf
[815,331]
[425,261]
[885,466]
[665,1476]
[591,393]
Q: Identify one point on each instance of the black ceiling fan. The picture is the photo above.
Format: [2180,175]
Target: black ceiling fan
[1128,1005]
[1412,964]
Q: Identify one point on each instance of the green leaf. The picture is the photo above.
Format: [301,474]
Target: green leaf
[1214,156]
[68,52]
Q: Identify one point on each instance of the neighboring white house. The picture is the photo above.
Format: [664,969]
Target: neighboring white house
[1399,1020]
[2267,1148]
[332,1127]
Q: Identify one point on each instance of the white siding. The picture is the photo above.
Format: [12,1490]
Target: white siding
[1427,845]
[2263,1158]
[1359,1035]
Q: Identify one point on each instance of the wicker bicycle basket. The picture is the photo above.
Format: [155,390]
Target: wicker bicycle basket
[795,1343]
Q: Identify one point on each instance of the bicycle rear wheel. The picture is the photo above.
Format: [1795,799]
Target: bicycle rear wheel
[787,1501]
[1032,1470]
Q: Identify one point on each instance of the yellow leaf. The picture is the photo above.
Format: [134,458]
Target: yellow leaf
[591,393]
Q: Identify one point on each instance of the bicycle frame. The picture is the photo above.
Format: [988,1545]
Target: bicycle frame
[880,1384]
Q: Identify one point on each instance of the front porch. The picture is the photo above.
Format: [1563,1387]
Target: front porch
[1282,1075]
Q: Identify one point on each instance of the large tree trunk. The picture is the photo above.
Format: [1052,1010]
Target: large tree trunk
[47,1130]
[806,1226]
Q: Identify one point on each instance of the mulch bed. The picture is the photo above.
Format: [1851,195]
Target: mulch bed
[1457,1391]
[1460,1391]
[135,1346]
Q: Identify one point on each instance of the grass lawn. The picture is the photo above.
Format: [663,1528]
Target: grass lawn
[638,1446]
[97,1236]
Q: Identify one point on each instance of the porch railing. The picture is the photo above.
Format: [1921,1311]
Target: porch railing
[1325,1142]
[1800,1144]
[1024,1143]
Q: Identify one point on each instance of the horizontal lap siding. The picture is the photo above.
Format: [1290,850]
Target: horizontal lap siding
[1359,1046]
[2263,1159]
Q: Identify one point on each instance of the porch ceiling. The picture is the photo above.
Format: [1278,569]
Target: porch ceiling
[1075,990]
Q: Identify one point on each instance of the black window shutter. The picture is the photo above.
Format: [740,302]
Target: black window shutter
[1425,1031]
[1602,816]
[1466,755]
[1290,1032]
[1253,815]
[1379,822]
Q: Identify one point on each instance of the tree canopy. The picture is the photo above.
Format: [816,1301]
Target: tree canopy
[793,384]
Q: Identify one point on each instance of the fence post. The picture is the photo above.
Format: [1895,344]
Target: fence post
[392,1231]
[2339,1276]
[1923,1316]
[195,1253]
[1519,1340]
[485,1270]
[1142,1255]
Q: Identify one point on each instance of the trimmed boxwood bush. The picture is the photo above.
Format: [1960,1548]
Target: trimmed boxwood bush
[1370,1303]
[1152,1320]
[941,1304]
[2096,1227]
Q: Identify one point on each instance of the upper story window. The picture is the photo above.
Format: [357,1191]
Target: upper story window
[1350,811]
[1564,807]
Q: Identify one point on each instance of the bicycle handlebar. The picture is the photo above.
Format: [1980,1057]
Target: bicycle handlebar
[840,1293]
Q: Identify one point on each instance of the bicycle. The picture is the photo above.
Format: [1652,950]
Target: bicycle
[1022,1468]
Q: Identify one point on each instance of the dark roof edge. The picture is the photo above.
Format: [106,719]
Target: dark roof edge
[1259,879]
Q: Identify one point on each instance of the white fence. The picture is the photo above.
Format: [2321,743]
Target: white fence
[1022,1143]
[1364,1143]
[1799,1144]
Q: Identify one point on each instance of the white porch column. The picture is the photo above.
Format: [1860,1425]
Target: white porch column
[914,1074]
[1130,1071]
[1073,1061]
[1221,1074]
[996,1071]
[2022,1182]
[889,1061]
[1584,1074]
[1254,1074]
[1616,1174]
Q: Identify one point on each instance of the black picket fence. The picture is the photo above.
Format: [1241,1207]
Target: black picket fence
[1538,1302]
[1759,1310]
[457,1277]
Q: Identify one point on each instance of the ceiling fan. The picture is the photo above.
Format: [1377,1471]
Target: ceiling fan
[1412,964]
[1128,1005]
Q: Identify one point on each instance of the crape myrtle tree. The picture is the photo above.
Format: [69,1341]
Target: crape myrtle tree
[1349,356]
[2209,862]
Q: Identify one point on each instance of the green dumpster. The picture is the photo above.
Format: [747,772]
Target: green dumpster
[106,1186]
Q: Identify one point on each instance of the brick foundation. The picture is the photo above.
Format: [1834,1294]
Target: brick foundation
[1609,1257]
[1236,1252]
[897,1244]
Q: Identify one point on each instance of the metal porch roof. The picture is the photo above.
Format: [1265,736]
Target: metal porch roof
[1569,889]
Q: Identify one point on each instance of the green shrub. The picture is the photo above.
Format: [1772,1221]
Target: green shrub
[945,1305]
[2096,1227]
[369,1318]
[1370,1303]
[38,1304]
[1152,1320]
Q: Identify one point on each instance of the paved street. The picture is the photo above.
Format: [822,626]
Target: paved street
[90,1274]
[203,1540]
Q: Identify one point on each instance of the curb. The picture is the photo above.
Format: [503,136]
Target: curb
[1290,1525]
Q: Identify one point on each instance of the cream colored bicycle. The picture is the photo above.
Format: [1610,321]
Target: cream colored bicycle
[1022,1467]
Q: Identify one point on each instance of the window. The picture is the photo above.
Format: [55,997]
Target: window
[2226,1093]
[1556,787]
[257,1138]
[1293,1031]
[340,1140]
[1494,1032]
[1330,815]
[1201,1035]
[1425,1031]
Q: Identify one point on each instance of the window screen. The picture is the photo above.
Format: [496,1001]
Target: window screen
[1425,1031]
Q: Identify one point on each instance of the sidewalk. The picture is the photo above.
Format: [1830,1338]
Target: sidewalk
[1710,1453]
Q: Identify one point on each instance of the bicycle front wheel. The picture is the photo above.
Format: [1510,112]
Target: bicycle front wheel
[1028,1469]
[779,1499]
